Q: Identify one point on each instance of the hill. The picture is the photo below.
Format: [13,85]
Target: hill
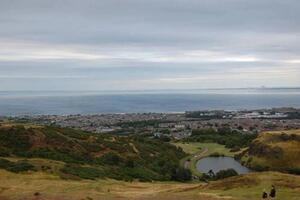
[61,164]
[276,150]
[74,154]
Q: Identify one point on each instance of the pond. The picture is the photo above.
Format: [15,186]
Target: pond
[220,163]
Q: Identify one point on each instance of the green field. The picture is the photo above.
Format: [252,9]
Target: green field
[196,147]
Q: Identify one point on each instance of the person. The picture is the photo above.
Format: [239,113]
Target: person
[273,192]
[264,194]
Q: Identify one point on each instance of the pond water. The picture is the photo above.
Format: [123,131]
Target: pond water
[220,163]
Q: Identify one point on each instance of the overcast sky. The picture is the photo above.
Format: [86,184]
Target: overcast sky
[148,44]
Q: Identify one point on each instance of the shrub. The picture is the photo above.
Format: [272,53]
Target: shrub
[225,173]
[130,163]
[15,166]
[16,138]
[140,173]
[4,164]
[235,149]
[4,152]
[224,136]
[294,171]
[83,172]
[21,167]
[111,159]
[54,154]
[216,154]
[165,138]
[259,168]
[181,174]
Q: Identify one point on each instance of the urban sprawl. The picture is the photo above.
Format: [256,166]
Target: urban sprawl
[175,125]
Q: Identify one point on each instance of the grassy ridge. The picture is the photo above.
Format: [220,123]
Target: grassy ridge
[90,156]
[276,150]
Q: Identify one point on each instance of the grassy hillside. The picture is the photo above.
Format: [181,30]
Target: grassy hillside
[39,185]
[63,164]
[74,154]
[277,150]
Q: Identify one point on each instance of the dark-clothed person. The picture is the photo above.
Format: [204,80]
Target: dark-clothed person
[264,195]
[273,192]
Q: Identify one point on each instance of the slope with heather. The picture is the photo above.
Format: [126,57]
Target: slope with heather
[75,154]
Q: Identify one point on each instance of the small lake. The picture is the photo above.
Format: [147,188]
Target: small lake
[220,163]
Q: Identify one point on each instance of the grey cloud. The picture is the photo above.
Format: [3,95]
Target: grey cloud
[268,30]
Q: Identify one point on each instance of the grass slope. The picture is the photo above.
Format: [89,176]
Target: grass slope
[276,150]
[50,187]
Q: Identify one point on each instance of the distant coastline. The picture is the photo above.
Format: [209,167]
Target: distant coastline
[194,90]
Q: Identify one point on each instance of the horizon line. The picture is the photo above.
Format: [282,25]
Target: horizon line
[172,89]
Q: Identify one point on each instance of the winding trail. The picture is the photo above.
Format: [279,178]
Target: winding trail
[196,156]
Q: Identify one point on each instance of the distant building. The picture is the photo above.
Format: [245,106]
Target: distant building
[179,126]
[157,134]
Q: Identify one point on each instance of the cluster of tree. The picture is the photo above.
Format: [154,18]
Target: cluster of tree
[16,138]
[219,175]
[294,115]
[139,124]
[294,171]
[225,136]
[16,167]
[163,138]
[181,174]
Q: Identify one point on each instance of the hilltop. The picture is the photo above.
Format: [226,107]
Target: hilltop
[274,150]
[74,154]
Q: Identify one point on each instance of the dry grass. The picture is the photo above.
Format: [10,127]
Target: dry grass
[9,124]
[50,187]
[250,186]
[16,186]
[290,148]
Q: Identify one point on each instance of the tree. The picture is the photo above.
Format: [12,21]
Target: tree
[226,173]
[111,158]
[182,174]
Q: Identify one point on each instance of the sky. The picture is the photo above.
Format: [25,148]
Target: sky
[148,44]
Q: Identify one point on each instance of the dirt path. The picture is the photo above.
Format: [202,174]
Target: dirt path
[196,156]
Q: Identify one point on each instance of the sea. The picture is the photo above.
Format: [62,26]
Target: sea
[18,103]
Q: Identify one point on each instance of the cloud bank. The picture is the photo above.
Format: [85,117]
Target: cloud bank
[157,44]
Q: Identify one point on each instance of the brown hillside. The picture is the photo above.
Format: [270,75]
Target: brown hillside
[276,150]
